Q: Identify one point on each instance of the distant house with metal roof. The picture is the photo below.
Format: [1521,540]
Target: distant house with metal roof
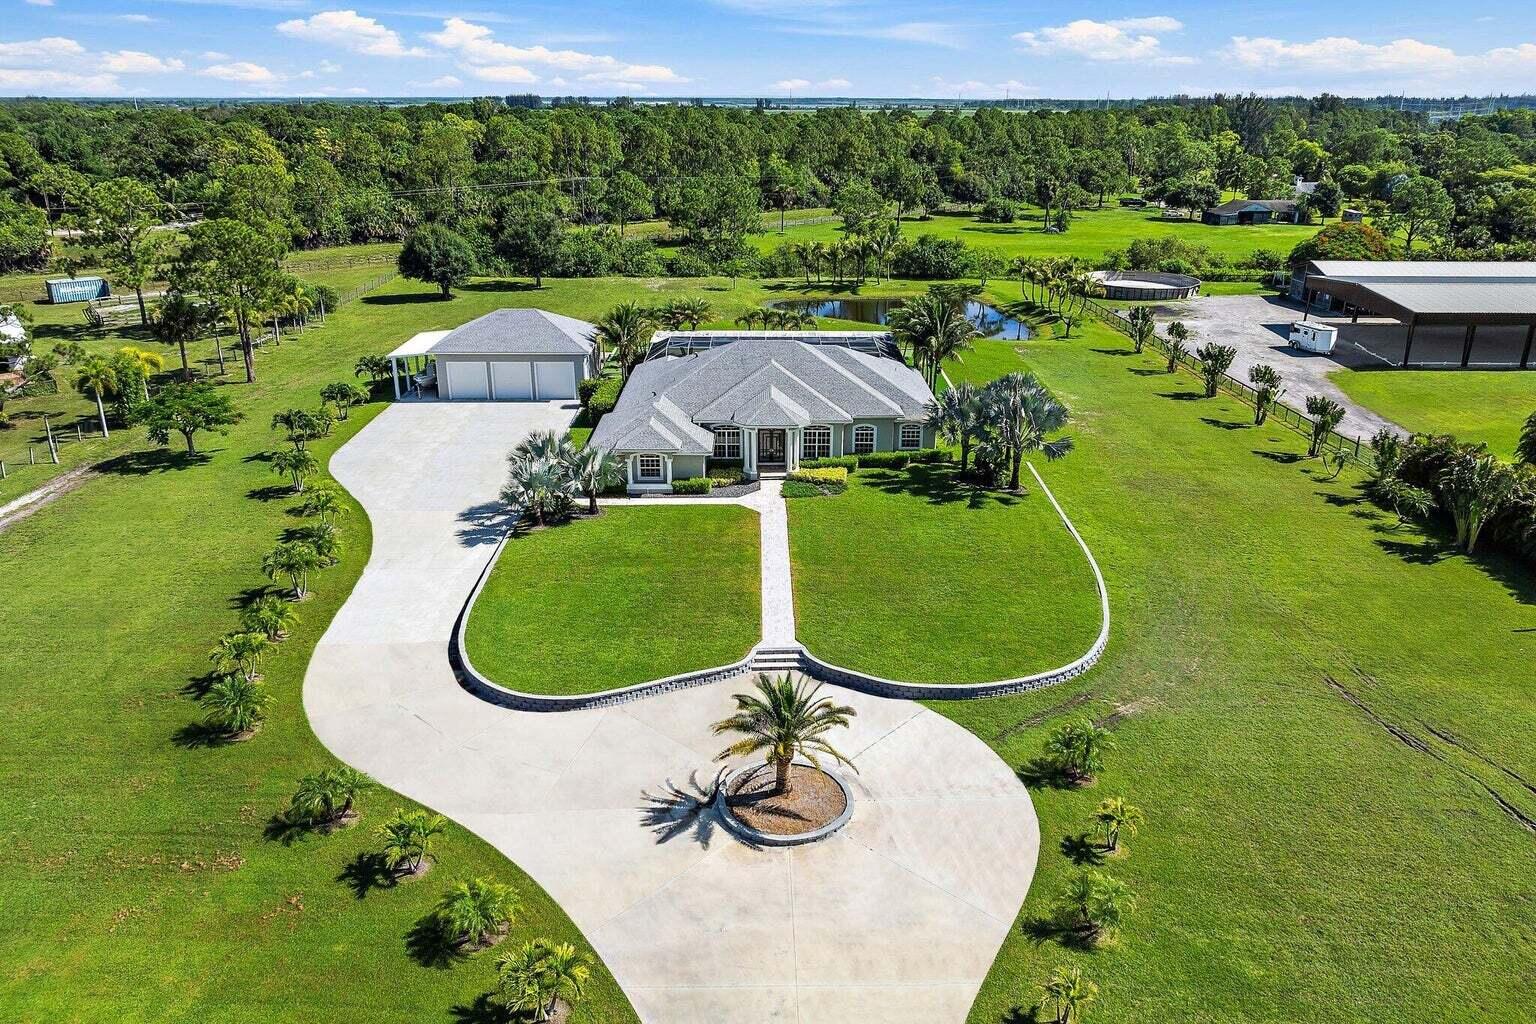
[1253,211]
[763,400]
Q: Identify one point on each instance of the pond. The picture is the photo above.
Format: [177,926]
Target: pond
[989,320]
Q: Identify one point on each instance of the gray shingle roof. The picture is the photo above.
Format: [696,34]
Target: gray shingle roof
[1239,205]
[531,332]
[758,380]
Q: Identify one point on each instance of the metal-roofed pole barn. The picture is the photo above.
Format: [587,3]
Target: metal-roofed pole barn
[1432,294]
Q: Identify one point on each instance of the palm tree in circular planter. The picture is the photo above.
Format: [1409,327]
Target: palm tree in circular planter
[478,912]
[236,706]
[327,798]
[784,720]
[1069,993]
[1078,749]
[408,840]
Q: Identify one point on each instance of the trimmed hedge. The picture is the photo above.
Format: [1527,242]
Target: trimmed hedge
[848,462]
[692,485]
[605,396]
[901,460]
[587,388]
[822,475]
[724,473]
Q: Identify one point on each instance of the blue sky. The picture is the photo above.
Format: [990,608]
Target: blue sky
[935,48]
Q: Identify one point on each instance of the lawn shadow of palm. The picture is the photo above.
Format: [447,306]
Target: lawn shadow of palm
[1212,421]
[367,872]
[1040,930]
[201,736]
[937,485]
[1082,850]
[1045,773]
[484,1010]
[430,944]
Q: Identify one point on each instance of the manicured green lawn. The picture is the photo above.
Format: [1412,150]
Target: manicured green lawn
[912,575]
[1092,233]
[1300,862]
[139,885]
[1475,405]
[634,594]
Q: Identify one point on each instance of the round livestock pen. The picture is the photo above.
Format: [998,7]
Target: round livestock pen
[1146,285]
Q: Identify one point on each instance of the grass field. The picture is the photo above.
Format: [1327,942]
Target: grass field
[1092,233]
[575,608]
[1301,861]
[911,575]
[1475,405]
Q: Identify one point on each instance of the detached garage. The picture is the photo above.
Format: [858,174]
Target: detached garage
[515,355]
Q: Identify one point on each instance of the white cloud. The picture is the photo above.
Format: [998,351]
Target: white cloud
[834,83]
[973,89]
[440,82]
[242,71]
[41,3]
[214,55]
[1128,39]
[1342,54]
[486,58]
[137,19]
[49,81]
[133,62]
[792,84]
[329,67]
[927,33]
[350,31]
[42,51]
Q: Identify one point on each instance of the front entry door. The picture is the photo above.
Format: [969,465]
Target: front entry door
[770,446]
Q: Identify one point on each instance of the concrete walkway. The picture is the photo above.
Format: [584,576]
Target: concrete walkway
[896,919]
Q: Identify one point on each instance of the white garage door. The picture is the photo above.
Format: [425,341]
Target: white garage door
[556,380]
[466,381]
[511,381]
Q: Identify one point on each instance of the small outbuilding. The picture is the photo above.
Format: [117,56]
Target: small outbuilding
[77,289]
[1252,211]
[508,355]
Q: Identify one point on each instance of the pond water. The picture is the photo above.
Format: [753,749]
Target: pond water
[990,321]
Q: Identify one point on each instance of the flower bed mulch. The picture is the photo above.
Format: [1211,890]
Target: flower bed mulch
[814,799]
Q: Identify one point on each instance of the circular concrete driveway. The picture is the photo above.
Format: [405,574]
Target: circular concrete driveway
[895,919]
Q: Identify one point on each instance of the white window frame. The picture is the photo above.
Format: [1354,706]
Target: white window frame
[862,447]
[820,447]
[901,436]
[727,438]
[641,476]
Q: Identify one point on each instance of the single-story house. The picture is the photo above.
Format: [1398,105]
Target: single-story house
[1252,211]
[507,355]
[762,400]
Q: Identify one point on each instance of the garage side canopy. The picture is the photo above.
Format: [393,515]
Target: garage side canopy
[417,347]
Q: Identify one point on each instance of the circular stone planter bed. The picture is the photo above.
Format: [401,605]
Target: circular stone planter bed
[818,804]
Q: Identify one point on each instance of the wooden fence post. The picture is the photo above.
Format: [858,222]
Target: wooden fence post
[31,456]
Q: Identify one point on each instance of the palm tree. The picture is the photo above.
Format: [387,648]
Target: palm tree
[1475,486]
[297,464]
[1113,816]
[343,395]
[670,316]
[1266,390]
[1178,343]
[295,560]
[408,839]
[270,616]
[302,426]
[1068,992]
[236,705]
[1095,904]
[179,320]
[959,416]
[538,485]
[1078,748]
[95,376]
[374,367]
[325,539]
[882,242]
[752,318]
[934,327]
[325,502]
[327,797]
[1215,361]
[476,910]
[145,361]
[521,984]
[1525,451]
[625,331]
[1143,326]
[565,972]
[1326,414]
[696,310]
[240,653]
[786,720]
[594,470]
[1022,412]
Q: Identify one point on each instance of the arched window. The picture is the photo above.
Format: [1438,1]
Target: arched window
[727,443]
[911,435]
[863,439]
[816,443]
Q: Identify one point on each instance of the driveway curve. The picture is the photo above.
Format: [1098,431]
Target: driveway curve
[896,918]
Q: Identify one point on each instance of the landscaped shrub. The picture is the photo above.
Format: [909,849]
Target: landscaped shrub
[688,263]
[692,485]
[587,388]
[605,397]
[900,460]
[997,210]
[936,259]
[725,472]
[848,462]
[825,475]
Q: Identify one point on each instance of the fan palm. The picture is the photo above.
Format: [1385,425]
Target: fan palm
[1068,992]
[1078,748]
[934,327]
[96,377]
[539,486]
[594,470]
[476,910]
[297,464]
[959,416]
[1114,816]
[784,720]
[236,705]
[240,653]
[295,560]
[625,331]
[270,616]
[327,797]
[1022,413]
[408,839]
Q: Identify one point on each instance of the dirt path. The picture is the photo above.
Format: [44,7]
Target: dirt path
[17,509]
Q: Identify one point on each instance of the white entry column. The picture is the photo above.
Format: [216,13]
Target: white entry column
[749,451]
